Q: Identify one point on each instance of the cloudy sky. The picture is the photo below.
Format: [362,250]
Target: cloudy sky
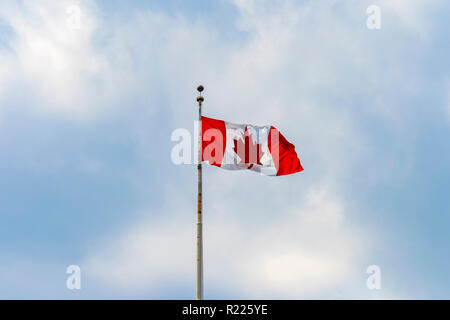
[90,92]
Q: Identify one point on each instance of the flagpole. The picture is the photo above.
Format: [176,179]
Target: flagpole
[199,291]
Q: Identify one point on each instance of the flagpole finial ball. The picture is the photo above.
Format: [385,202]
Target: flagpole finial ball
[200,99]
[200,88]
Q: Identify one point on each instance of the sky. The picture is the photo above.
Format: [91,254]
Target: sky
[91,91]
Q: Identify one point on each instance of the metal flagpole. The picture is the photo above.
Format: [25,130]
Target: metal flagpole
[199,292]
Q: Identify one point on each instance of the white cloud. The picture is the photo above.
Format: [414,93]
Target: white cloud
[146,256]
[55,65]
[447,98]
[305,252]
[70,72]
[413,15]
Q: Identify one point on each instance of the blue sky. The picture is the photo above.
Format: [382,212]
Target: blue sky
[86,116]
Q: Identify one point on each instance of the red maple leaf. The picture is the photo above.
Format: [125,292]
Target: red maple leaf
[249,151]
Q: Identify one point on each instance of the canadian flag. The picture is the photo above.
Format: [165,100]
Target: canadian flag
[244,146]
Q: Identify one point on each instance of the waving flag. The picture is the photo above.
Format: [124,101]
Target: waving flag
[261,149]
[237,147]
